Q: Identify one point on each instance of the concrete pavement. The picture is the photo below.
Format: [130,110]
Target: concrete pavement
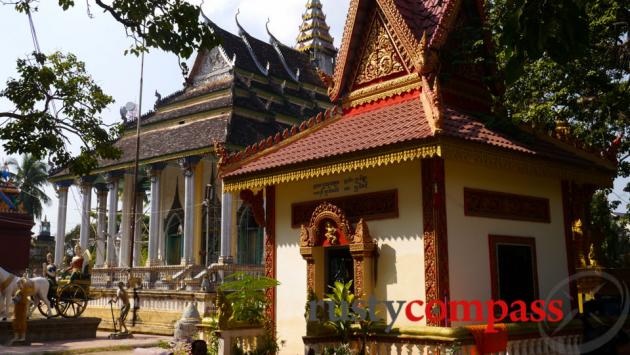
[100,345]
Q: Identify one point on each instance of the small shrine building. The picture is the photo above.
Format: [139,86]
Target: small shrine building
[409,186]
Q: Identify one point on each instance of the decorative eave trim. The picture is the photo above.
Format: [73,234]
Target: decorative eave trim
[383,90]
[447,148]
[382,159]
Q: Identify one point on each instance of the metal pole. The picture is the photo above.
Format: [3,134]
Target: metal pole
[135,169]
[208,187]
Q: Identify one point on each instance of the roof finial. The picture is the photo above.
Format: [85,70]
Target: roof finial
[314,37]
[272,38]
[238,24]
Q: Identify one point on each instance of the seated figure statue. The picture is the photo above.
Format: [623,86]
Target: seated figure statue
[76,265]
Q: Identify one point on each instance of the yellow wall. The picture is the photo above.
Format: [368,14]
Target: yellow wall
[401,260]
[468,236]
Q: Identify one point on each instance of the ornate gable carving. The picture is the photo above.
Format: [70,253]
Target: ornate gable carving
[380,57]
[212,63]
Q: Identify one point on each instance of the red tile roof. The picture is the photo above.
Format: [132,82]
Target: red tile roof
[393,121]
[383,126]
[422,15]
[459,125]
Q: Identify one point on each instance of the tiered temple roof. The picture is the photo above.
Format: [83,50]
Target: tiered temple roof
[397,103]
[314,32]
[236,93]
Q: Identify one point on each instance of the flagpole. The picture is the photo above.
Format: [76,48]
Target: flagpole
[136,168]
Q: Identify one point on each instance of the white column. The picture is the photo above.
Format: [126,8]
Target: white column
[62,192]
[123,253]
[137,241]
[100,224]
[188,165]
[154,218]
[227,204]
[111,221]
[86,193]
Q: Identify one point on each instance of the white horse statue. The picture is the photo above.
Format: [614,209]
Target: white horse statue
[9,286]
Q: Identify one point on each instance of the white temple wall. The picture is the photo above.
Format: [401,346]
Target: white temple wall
[401,260]
[468,249]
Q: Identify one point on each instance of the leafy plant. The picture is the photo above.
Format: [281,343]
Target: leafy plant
[342,299]
[246,293]
[342,349]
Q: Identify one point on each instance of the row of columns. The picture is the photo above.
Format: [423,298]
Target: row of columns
[107,195]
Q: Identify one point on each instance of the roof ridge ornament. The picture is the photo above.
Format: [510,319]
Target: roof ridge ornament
[243,34]
[431,99]
[275,43]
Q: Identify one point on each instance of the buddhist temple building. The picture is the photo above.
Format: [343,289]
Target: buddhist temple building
[236,94]
[412,187]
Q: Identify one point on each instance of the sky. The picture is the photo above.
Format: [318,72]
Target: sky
[100,42]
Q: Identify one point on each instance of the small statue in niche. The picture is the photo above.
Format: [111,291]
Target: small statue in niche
[331,233]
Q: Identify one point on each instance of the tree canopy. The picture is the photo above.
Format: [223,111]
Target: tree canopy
[54,98]
[31,177]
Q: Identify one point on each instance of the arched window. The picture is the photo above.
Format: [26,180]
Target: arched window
[174,239]
[250,238]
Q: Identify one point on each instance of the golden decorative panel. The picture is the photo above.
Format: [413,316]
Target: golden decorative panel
[380,58]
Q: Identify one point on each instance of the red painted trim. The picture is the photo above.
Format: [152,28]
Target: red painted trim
[436,269]
[568,239]
[383,103]
[270,248]
[493,241]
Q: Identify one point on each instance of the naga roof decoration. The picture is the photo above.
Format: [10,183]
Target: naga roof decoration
[394,106]
[226,99]
[295,75]
[245,36]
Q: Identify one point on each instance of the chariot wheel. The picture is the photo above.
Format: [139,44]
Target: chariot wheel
[43,309]
[71,301]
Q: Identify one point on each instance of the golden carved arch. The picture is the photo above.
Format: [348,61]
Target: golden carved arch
[361,245]
[323,212]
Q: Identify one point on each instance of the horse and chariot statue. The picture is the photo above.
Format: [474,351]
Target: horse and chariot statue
[65,295]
